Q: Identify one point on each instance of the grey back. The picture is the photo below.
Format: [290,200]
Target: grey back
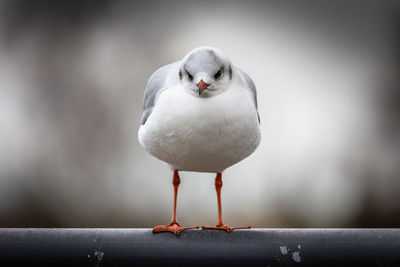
[251,86]
[155,85]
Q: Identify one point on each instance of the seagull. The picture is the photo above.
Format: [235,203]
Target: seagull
[200,115]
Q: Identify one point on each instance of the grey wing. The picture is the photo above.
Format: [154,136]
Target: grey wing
[250,85]
[155,85]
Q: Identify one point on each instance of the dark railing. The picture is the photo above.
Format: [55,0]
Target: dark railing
[256,247]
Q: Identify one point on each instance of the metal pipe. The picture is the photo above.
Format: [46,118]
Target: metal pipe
[256,247]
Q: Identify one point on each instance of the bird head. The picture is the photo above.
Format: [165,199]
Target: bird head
[205,71]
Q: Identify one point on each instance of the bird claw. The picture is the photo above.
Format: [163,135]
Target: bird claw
[223,227]
[173,227]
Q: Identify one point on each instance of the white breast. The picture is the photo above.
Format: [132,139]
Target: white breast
[203,134]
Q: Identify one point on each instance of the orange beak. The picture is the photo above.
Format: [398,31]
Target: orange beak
[202,86]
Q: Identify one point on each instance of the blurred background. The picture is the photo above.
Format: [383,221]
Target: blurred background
[72,77]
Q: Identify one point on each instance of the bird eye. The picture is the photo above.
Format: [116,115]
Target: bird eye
[218,74]
[189,75]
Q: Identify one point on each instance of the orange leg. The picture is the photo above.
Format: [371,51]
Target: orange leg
[220,225]
[174,226]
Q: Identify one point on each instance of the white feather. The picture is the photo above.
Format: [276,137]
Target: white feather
[203,134]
